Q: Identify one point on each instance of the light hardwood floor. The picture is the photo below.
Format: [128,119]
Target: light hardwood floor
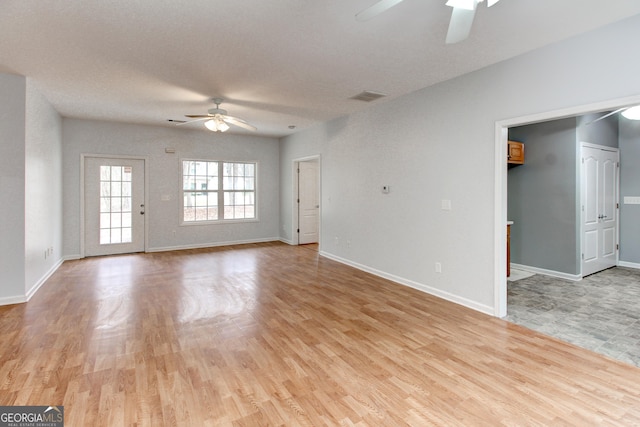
[275,335]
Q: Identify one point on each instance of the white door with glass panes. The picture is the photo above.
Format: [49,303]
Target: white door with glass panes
[114,210]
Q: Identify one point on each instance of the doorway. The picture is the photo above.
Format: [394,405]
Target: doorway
[306,211]
[113,205]
[500,181]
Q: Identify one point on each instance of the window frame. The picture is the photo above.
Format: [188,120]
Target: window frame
[220,190]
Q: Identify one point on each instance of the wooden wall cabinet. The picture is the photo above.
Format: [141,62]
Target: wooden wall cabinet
[515,153]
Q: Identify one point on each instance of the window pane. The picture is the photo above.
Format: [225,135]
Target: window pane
[105,204]
[126,189]
[212,213]
[116,189]
[105,236]
[201,168]
[116,204]
[126,220]
[248,184]
[116,173]
[116,220]
[126,235]
[105,173]
[126,173]
[116,235]
[126,204]
[250,169]
[105,189]
[105,220]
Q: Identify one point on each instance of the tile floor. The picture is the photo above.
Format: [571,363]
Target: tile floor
[601,312]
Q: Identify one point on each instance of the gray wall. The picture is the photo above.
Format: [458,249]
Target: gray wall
[43,188]
[601,132]
[12,152]
[630,187]
[30,189]
[164,170]
[542,197]
[439,143]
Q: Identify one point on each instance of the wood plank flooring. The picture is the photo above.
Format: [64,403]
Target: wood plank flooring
[275,335]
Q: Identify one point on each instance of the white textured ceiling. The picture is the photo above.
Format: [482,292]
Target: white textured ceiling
[276,62]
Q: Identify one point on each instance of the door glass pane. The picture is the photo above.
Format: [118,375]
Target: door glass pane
[115,204]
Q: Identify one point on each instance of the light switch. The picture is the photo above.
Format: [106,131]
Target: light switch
[446,205]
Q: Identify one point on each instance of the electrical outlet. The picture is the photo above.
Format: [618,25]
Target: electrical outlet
[438,267]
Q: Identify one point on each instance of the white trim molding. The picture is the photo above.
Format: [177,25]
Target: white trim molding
[545,272]
[415,285]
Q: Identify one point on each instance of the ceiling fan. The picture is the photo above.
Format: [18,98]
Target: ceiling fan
[216,119]
[461,17]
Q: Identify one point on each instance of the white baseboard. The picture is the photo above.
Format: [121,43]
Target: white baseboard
[552,273]
[415,285]
[20,299]
[629,264]
[287,241]
[31,292]
[212,244]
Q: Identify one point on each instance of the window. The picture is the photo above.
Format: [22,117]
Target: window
[115,204]
[214,190]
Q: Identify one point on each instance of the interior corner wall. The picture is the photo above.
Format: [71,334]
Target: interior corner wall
[439,144]
[165,231]
[42,189]
[12,197]
[542,197]
[629,187]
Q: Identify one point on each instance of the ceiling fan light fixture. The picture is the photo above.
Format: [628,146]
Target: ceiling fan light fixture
[632,113]
[463,4]
[216,125]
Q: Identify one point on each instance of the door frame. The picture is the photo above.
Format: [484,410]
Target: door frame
[83,156]
[500,182]
[295,217]
[582,145]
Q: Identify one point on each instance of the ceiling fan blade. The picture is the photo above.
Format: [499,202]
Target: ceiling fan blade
[376,9]
[239,122]
[197,119]
[195,116]
[460,25]
[606,115]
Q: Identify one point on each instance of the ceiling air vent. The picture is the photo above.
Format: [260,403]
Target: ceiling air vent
[368,96]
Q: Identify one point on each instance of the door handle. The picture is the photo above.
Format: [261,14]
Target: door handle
[142,209]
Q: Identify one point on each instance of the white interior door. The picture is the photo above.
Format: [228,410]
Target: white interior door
[114,211]
[308,202]
[599,208]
